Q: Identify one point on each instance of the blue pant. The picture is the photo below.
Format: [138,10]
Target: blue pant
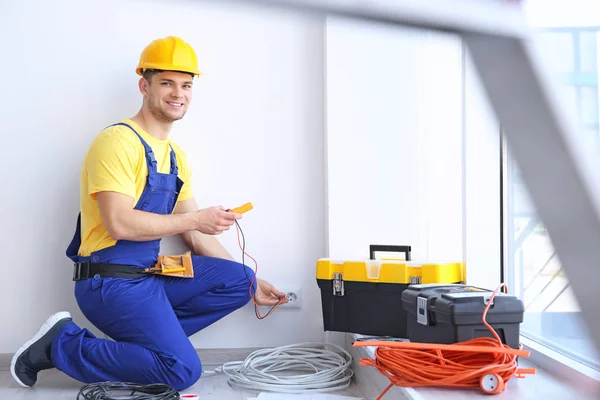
[150,320]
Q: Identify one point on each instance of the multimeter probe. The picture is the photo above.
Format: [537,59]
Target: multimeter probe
[242,243]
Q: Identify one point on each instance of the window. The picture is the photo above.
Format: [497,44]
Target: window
[552,314]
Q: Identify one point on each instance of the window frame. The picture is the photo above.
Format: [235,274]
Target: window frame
[542,355]
[558,363]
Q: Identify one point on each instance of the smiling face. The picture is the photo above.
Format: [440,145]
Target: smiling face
[167,94]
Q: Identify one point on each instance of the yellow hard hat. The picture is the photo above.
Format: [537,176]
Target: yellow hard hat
[169,54]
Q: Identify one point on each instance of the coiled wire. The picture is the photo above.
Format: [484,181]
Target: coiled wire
[119,391]
[296,368]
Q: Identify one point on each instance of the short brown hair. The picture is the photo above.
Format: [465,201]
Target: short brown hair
[149,73]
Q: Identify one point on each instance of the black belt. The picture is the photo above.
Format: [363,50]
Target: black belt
[88,270]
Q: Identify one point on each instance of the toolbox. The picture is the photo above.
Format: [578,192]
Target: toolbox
[365,297]
[448,314]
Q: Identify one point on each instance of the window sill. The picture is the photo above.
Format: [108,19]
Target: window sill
[576,374]
[533,387]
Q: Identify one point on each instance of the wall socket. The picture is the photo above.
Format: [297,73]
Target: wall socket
[294,296]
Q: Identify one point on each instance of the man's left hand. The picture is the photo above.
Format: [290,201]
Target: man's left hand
[267,295]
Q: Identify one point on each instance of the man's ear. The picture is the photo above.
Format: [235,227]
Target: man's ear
[143,85]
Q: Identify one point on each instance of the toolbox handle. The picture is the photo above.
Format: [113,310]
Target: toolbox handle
[389,248]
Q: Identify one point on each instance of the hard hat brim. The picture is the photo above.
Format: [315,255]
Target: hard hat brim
[163,67]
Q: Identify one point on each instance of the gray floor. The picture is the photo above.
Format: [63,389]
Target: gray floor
[54,385]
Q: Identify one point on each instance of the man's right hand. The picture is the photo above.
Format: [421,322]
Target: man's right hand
[215,220]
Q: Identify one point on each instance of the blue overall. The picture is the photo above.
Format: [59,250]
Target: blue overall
[149,318]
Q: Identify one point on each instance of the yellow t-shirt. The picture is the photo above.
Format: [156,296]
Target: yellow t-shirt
[116,162]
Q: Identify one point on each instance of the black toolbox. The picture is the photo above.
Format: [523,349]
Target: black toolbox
[365,296]
[448,314]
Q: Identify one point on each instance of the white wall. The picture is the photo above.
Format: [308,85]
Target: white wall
[482,185]
[440,120]
[372,141]
[394,140]
[254,133]
[413,148]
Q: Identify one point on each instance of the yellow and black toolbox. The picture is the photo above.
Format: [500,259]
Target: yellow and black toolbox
[448,314]
[365,297]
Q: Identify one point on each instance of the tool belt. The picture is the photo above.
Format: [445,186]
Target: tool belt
[177,266]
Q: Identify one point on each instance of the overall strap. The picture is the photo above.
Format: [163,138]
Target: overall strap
[73,247]
[150,159]
[174,169]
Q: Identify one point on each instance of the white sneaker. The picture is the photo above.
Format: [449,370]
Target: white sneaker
[34,356]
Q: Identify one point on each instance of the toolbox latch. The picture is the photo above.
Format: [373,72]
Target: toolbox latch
[422,310]
[415,280]
[487,298]
[338,284]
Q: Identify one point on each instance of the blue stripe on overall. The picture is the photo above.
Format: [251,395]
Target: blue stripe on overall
[149,318]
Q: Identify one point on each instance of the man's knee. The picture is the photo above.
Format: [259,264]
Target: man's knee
[185,372]
[248,276]
[244,285]
[242,276]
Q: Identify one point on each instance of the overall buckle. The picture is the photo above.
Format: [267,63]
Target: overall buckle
[81,271]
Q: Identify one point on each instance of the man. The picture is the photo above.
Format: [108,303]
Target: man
[135,190]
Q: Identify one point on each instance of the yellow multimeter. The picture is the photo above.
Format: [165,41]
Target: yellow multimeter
[243,208]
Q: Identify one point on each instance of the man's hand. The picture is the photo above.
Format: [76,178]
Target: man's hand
[267,295]
[215,220]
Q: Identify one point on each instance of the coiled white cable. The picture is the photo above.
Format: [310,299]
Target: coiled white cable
[296,368]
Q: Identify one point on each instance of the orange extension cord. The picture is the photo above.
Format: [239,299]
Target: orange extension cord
[482,362]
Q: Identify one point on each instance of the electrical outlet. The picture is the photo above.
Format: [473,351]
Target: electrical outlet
[294,297]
